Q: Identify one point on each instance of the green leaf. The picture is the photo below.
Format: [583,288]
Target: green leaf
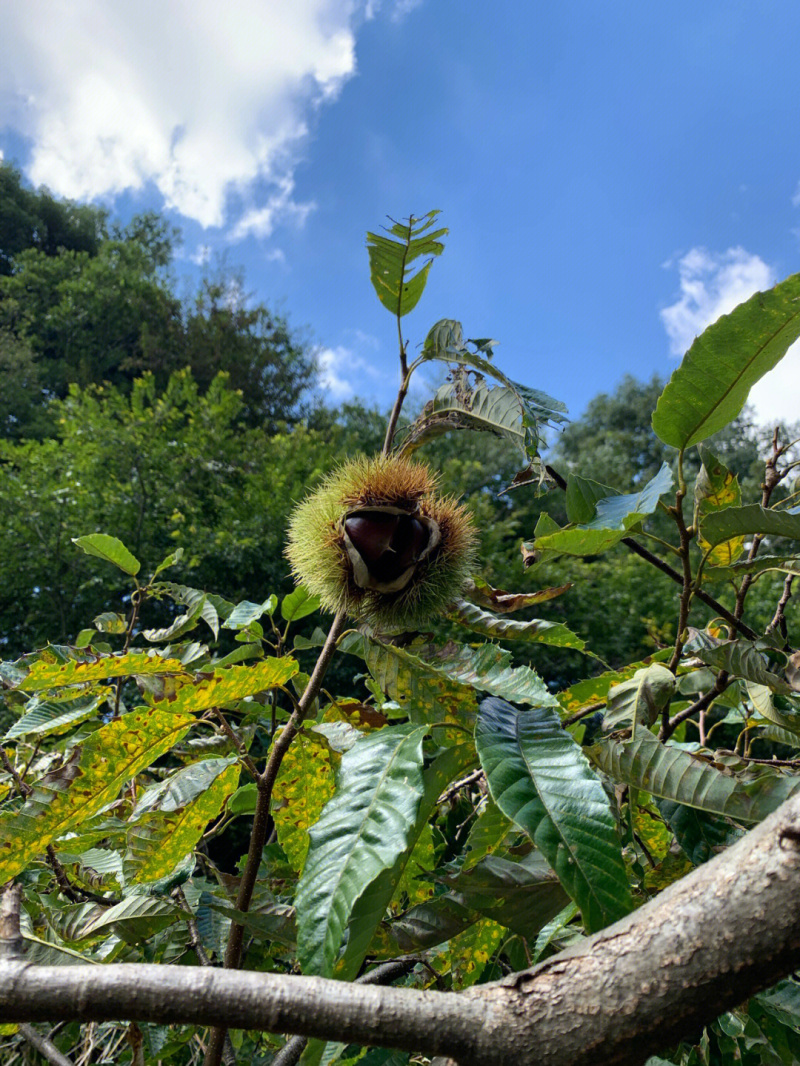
[701,835]
[423,926]
[445,343]
[487,833]
[91,778]
[135,919]
[738,657]
[640,700]
[298,604]
[372,905]
[183,623]
[540,778]
[181,786]
[46,718]
[667,772]
[109,548]
[745,521]
[422,679]
[246,612]
[716,489]
[761,564]
[390,259]
[710,387]
[621,511]
[199,604]
[110,622]
[582,497]
[595,689]
[170,560]
[523,896]
[244,800]
[360,834]
[614,517]
[509,411]
[537,630]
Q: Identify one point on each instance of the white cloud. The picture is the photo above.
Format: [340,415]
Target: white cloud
[776,397]
[712,284]
[342,373]
[261,221]
[200,99]
[796,197]
[398,9]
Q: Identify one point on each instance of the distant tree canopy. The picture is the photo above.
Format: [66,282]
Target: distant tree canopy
[35,219]
[80,305]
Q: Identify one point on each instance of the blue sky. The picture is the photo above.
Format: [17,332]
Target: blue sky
[614,175]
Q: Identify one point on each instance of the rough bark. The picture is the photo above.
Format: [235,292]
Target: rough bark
[726,931]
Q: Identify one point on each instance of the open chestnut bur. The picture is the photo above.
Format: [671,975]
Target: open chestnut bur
[376,540]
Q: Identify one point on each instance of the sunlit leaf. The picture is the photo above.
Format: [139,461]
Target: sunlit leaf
[738,657]
[360,834]
[303,786]
[298,604]
[710,387]
[163,835]
[102,546]
[715,489]
[228,684]
[390,257]
[745,521]
[44,675]
[540,779]
[615,517]
[537,630]
[45,718]
[667,772]
[640,700]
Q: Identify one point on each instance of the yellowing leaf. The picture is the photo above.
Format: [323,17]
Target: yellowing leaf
[304,785]
[161,838]
[715,489]
[93,776]
[44,675]
[411,890]
[228,684]
[468,954]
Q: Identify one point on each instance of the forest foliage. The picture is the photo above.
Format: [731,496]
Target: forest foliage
[179,783]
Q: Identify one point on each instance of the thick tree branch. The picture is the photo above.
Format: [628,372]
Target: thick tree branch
[699,948]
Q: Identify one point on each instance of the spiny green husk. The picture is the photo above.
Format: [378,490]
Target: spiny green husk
[319,559]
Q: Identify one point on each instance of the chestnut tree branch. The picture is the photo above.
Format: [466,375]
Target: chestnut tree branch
[697,949]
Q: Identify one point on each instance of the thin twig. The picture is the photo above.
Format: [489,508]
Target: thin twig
[46,1048]
[237,742]
[778,619]
[465,782]
[74,893]
[591,709]
[637,549]
[716,690]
